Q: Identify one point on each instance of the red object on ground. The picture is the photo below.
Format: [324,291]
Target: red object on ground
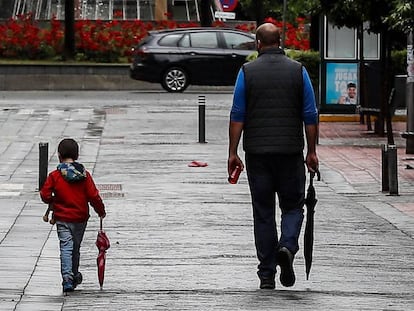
[102,243]
[197,164]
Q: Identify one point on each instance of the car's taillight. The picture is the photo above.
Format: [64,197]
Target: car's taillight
[139,52]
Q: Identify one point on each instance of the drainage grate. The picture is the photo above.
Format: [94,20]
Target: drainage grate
[161,133]
[106,187]
[112,140]
[170,111]
[115,111]
[109,195]
[164,143]
[108,191]
[206,182]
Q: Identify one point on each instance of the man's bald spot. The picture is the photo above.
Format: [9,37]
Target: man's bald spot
[268,34]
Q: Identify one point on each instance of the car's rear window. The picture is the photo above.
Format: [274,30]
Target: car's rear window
[238,41]
[170,40]
[145,40]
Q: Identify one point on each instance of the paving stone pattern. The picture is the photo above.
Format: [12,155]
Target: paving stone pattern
[181,237]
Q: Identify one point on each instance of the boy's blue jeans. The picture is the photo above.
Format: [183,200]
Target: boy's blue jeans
[70,238]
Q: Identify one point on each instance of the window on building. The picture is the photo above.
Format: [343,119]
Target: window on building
[341,42]
[371,46]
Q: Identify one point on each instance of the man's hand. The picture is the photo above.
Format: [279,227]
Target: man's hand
[235,131]
[232,162]
[312,162]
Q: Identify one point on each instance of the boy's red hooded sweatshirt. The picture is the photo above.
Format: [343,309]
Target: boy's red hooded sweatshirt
[70,188]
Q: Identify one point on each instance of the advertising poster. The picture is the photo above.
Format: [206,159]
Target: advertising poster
[341,83]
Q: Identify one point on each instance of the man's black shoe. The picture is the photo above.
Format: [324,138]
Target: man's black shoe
[77,279]
[287,275]
[267,283]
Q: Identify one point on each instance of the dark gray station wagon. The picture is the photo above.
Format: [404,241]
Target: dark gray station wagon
[200,56]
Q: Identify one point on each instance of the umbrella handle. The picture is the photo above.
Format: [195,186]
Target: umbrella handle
[101,219]
[312,175]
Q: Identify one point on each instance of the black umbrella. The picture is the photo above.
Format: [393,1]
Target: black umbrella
[310,203]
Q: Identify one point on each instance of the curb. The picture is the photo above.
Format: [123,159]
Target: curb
[353,118]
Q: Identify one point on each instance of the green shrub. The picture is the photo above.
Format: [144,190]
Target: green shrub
[310,59]
[399,62]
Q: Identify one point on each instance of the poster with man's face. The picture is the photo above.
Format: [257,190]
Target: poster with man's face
[341,83]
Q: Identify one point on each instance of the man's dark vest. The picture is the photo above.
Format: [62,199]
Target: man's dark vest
[274,105]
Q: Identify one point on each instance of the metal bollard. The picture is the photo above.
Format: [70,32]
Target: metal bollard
[392,169]
[384,166]
[43,163]
[201,119]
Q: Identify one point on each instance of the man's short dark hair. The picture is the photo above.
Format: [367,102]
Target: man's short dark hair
[351,84]
[68,148]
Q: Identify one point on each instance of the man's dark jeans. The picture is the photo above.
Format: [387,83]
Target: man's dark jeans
[269,175]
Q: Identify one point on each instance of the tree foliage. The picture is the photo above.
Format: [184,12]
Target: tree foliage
[379,15]
[354,13]
[402,16]
[274,8]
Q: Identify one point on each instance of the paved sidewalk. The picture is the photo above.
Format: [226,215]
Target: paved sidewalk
[181,237]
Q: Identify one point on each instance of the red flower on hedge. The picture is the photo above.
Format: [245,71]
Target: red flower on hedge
[106,40]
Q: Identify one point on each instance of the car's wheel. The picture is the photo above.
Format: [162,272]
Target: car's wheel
[175,80]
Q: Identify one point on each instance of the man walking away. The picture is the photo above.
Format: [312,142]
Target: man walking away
[273,99]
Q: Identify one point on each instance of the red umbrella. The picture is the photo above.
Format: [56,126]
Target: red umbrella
[102,242]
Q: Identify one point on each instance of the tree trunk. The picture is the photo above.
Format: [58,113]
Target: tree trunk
[385,91]
[161,8]
[362,102]
[410,94]
[69,47]
[206,19]
[258,9]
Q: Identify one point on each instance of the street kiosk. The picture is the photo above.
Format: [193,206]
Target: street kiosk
[343,53]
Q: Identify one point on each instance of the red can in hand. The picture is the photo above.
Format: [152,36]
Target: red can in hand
[234,176]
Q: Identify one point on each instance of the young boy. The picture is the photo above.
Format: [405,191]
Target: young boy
[69,189]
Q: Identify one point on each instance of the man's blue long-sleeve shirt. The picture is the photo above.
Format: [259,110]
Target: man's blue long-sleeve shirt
[310,111]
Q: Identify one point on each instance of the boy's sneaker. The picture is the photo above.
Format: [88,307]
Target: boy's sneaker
[77,279]
[68,286]
[287,274]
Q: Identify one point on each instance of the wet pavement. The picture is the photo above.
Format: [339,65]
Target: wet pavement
[181,237]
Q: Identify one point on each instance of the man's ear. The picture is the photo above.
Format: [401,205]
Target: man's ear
[258,45]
